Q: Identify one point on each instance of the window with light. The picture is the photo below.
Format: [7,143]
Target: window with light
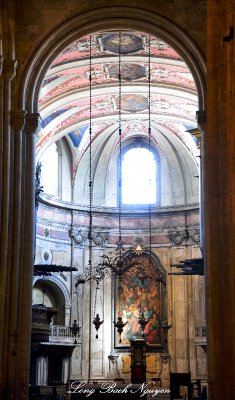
[50,170]
[139,177]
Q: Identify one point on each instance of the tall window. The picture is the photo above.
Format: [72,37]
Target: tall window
[50,170]
[139,177]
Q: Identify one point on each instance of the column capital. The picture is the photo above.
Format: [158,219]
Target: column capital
[32,123]
[202,120]
[18,119]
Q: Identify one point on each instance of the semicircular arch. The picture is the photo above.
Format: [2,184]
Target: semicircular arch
[103,19]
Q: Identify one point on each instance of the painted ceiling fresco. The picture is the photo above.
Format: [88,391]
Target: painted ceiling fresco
[64,98]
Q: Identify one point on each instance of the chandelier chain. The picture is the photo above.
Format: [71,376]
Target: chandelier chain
[90,156]
[149,139]
[120,137]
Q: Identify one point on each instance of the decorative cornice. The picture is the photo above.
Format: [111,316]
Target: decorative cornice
[49,223]
[59,205]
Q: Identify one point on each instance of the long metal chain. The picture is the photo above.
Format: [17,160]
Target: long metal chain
[149,139]
[120,138]
[90,157]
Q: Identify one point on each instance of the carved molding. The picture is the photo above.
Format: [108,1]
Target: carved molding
[81,235]
[100,238]
[177,236]
[194,234]
[53,224]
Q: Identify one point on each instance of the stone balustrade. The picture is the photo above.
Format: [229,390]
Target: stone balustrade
[60,333]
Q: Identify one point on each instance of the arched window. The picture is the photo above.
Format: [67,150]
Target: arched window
[50,170]
[139,176]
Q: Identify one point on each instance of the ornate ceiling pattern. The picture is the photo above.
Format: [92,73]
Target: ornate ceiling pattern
[64,98]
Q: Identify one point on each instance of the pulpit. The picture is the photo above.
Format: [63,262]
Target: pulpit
[138,361]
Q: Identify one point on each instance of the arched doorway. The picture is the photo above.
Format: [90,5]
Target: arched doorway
[43,58]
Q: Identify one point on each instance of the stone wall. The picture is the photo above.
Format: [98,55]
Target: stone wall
[66,243]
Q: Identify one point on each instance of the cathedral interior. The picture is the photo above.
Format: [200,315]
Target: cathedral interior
[117,199]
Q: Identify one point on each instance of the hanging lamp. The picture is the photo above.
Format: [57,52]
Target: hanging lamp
[119,263]
[97,320]
[75,330]
[90,273]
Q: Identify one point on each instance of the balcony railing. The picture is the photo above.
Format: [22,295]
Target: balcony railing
[60,333]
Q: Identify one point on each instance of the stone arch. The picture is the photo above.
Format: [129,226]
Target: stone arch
[61,295]
[60,284]
[110,18]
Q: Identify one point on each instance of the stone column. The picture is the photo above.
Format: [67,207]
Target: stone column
[27,257]
[65,369]
[42,371]
[219,195]
[13,275]
[6,217]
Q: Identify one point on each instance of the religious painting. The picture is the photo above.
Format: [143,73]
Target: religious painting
[130,43]
[133,102]
[139,294]
[129,72]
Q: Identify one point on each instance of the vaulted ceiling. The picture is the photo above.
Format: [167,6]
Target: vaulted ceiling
[65,96]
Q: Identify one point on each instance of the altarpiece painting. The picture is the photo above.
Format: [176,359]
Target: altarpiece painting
[135,296]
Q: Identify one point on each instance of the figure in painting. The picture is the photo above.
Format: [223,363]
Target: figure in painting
[139,297]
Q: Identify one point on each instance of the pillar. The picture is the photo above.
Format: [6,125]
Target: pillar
[42,371]
[219,197]
[65,369]
[24,315]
